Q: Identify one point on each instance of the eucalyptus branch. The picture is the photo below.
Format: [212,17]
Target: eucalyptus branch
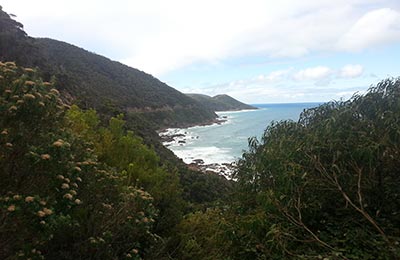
[298,222]
[360,209]
[335,181]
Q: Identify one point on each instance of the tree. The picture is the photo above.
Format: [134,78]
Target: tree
[329,182]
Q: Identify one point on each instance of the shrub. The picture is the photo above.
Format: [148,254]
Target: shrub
[56,200]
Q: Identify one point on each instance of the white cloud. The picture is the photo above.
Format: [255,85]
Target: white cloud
[322,75]
[320,83]
[345,94]
[277,92]
[375,28]
[278,75]
[316,73]
[274,76]
[160,36]
[351,71]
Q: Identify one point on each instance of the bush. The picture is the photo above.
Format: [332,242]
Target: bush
[56,200]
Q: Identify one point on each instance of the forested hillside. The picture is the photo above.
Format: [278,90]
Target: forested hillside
[220,102]
[93,81]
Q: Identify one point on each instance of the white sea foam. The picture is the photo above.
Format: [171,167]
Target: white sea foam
[183,138]
[210,155]
[238,111]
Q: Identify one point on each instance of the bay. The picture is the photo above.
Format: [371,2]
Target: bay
[225,142]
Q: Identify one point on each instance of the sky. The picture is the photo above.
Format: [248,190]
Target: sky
[258,51]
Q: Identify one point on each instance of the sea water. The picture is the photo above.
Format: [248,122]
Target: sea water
[226,142]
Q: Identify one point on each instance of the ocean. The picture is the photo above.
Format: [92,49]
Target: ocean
[224,143]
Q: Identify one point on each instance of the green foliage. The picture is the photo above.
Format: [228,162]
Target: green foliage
[14,43]
[325,187]
[138,164]
[201,236]
[205,190]
[56,200]
[329,182]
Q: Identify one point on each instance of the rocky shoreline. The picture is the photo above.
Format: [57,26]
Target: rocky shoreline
[223,169]
[168,137]
[217,120]
[175,136]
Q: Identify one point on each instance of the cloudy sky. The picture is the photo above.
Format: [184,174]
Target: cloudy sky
[258,51]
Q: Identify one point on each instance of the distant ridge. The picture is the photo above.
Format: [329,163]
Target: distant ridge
[220,102]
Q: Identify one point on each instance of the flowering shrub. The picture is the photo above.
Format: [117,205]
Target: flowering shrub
[56,200]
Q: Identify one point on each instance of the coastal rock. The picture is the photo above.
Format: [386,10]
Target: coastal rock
[224,170]
[170,138]
[198,161]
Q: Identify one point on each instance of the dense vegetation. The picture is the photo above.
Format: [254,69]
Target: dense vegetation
[81,184]
[325,187]
[220,102]
[74,189]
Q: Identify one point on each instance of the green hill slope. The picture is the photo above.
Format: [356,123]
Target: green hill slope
[220,102]
[97,82]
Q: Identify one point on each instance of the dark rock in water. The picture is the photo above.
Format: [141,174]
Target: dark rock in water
[182,142]
[223,170]
[198,161]
[171,138]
